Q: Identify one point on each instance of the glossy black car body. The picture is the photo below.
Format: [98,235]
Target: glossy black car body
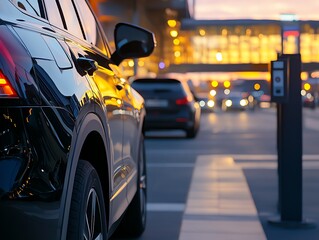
[169,104]
[71,142]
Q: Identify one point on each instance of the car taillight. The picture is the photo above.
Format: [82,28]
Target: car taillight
[6,89]
[183,101]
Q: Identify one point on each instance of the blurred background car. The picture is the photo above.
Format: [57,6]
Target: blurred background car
[309,100]
[169,104]
[206,103]
[235,101]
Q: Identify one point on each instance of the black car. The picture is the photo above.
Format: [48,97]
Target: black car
[72,160]
[235,101]
[206,102]
[169,104]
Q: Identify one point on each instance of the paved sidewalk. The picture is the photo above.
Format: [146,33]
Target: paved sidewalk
[219,204]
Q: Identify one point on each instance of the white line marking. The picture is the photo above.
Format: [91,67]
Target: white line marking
[166,207]
[170,165]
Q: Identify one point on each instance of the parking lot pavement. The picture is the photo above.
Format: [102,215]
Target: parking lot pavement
[219,204]
[234,197]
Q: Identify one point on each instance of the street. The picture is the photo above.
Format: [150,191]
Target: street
[250,138]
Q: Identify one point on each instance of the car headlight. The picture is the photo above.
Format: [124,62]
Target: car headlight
[202,103]
[211,103]
[243,102]
[228,103]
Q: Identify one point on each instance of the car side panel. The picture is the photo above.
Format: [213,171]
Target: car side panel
[134,114]
[103,83]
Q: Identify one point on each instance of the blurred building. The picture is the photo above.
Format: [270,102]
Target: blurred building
[213,46]
[151,14]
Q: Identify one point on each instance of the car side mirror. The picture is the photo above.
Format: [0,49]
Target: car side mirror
[132,42]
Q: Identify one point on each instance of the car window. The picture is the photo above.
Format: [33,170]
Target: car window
[71,18]
[53,13]
[31,6]
[172,89]
[91,28]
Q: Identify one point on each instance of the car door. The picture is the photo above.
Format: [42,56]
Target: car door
[132,114]
[106,85]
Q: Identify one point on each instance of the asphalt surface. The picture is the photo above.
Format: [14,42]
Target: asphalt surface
[250,139]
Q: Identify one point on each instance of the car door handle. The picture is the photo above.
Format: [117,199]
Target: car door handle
[119,86]
[87,65]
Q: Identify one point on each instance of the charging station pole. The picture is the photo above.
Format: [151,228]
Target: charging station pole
[286,87]
[290,172]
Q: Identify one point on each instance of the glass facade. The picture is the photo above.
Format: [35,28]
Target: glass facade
[255,44]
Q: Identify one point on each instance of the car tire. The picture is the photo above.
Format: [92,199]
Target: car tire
[191,133]
[134,221]
[87,219]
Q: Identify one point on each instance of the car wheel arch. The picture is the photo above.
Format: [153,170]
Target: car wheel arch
[88,134]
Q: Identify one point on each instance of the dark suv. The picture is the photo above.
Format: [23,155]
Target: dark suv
[72,160]
[169,104]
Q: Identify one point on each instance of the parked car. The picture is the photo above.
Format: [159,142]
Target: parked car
[72,160]
[169,104]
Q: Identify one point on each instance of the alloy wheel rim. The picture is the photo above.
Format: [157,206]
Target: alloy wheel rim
[93,218]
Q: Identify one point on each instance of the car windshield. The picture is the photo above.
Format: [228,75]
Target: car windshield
[150,88]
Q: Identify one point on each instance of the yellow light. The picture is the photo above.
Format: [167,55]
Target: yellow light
[173,33]
[177,54]
[257,86]
[304,76]
[176,41]
[118,101]
[172,23]
[202,32]
[227,84]
[307,86]
[219,56]
[141,63]
[131,63]
[214,83]
[224,32]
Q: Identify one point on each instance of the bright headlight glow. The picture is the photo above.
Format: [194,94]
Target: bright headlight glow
[228,103]
[243,102]
[210,103]
[303,92]
[213,93]
[202,103]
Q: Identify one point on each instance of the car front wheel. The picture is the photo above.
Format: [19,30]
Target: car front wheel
[87,218]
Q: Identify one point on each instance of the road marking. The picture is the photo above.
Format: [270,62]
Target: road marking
[171,165]
[219,203]
[165,207]
[266,161]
